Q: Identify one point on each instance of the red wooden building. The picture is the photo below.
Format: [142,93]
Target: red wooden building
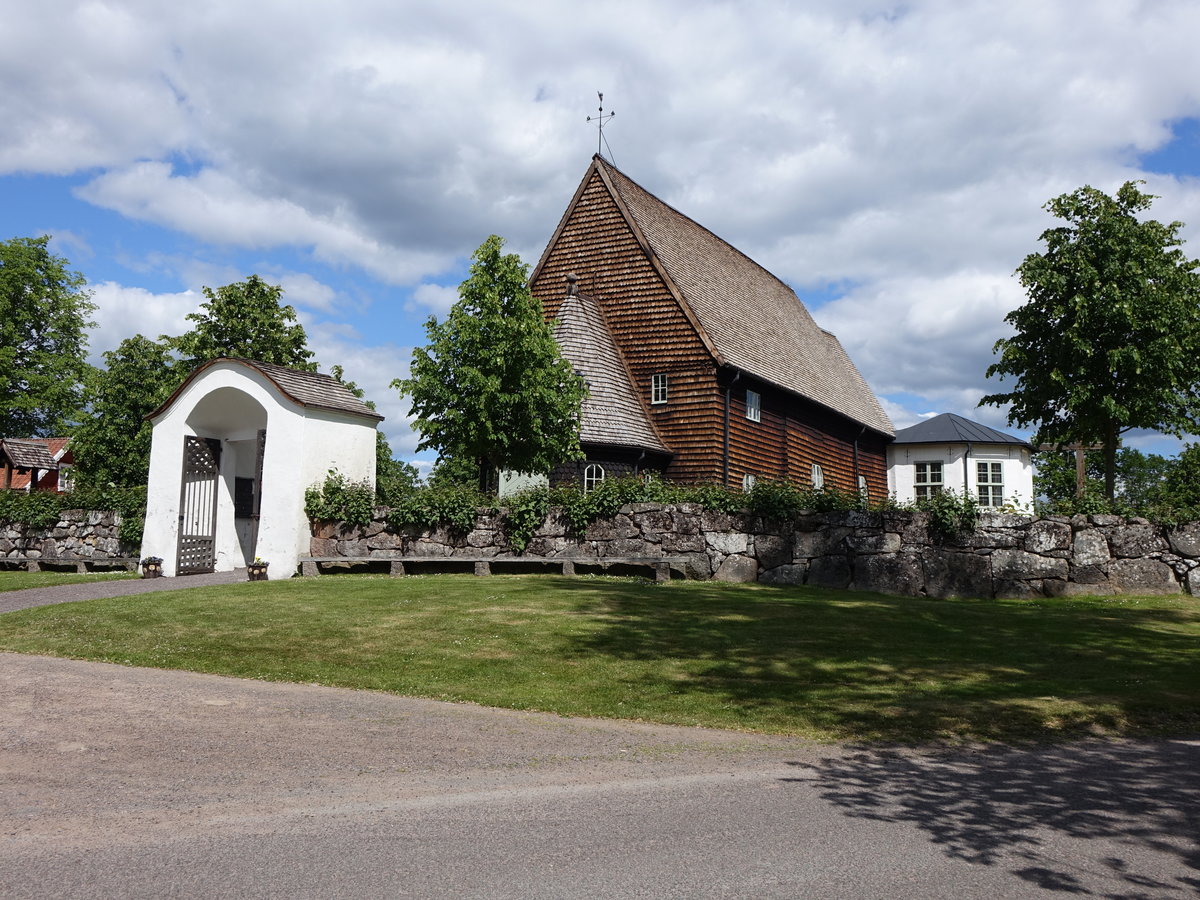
[38,464]
[701,364]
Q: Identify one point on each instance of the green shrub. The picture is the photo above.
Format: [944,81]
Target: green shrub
[42,509]
[523,513]
[951,514]
[454,505]
[340,500]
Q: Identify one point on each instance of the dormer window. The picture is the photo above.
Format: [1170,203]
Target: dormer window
[753,406]
[658,389]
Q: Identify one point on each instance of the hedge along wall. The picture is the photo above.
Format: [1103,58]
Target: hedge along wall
[894,552]
[76,534]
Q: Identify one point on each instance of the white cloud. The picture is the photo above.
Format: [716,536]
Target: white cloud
[122,312]
[436,298]
[903,150]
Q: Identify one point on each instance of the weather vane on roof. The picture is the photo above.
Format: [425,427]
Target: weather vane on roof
[599,120]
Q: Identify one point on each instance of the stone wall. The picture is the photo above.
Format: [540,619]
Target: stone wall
[78,534]
[895,552]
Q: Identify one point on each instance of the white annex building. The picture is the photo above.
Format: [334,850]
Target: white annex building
[233,451]
[950,453]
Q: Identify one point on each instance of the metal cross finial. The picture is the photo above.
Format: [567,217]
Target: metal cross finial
[599,120]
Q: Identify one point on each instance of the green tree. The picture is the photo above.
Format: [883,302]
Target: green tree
[44,311]
[245,319]
[1182,482]
[1141,478]
[491,384]
[454,471]
[1109,339]
[112,443]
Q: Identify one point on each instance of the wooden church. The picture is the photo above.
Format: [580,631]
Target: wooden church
[701,365]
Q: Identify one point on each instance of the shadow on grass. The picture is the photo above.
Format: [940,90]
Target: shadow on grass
[896,668]
[1039,812]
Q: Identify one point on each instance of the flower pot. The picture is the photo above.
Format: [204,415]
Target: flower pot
[257,571]
[151,568]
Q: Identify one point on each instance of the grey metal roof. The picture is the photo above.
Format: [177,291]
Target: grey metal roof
[753,320]
[612,412]
[949,428]
[311,389]
[27,454]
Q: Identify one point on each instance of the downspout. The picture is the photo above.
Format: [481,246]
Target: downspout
[967,471]
[728,393]
[637,466]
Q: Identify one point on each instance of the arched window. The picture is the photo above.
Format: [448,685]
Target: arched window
[592,476]
[818,477]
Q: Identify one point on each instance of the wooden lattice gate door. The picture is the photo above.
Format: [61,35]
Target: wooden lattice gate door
[198,505]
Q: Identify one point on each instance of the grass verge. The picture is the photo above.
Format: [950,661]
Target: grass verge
[19,581]
[817,663]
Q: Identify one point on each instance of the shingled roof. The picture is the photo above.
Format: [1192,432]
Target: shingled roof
[612,412]
[309,389]
[23,454]
[948,428]
[749,318]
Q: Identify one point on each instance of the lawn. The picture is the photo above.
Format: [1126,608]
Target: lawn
[19,581]
[817,663]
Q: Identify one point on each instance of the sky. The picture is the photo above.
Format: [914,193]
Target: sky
[889,161]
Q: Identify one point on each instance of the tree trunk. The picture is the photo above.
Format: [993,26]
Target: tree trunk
[1110,460]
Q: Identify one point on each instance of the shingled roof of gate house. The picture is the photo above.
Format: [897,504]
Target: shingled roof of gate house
[612,412]
[311,389]
[752,319]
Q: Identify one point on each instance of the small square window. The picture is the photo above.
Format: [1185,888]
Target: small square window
[753,406]
[658,389]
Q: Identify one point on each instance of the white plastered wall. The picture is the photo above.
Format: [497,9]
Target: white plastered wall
[1017,469]
[231,401]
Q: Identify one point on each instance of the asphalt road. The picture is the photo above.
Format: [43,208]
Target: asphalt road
[125,782]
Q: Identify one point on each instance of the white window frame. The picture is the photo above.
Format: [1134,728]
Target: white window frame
[593,477]
[817,474]
[864,492]
[748,482]
[658,389]
[927,487]
[753,406]
[989,484]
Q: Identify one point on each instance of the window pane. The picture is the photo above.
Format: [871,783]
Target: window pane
[658,388]
[592,476]
[753,406]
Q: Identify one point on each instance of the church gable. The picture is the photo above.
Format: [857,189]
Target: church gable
[596,243]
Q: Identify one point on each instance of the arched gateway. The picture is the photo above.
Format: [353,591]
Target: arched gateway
[234,449]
